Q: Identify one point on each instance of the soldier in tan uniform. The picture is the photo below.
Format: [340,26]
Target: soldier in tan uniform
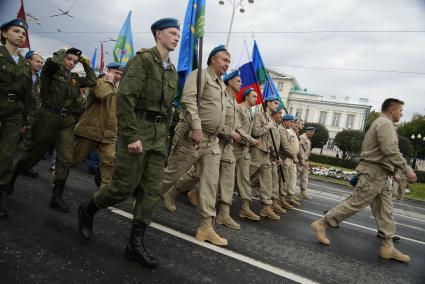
[260,155]
[97,127]
[242,154]
[196,141]
[380,157]
[290,171]
[302,165]
[276,161]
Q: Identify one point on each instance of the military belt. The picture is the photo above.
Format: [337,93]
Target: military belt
[58,110]
[151,116]
[11,98]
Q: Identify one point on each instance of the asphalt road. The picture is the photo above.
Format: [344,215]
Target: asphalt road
[40,245]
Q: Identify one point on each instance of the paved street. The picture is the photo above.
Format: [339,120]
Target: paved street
[39,245]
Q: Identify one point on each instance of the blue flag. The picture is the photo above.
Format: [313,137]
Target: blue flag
[124,48]
[193,29]
[93,60]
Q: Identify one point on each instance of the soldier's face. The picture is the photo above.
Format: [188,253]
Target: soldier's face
[116,73]
[15,35]
[220,62]
[235,83]
[36,62]
[168,38]
[397,112]
[70,61]
[287,123]
[251,99]
[309,133]
[276,116]
[273,105]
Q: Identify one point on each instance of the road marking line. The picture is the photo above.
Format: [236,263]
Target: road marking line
[249,260]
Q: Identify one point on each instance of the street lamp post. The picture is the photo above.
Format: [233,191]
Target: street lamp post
[416,140]
[235,5]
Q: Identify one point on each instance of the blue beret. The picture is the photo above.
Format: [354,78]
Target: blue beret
[74,51]
[271,98]
[247,91]
[29,54]
[310,128]
[115,65]
[165,23]
[216,50]
[288,117]
[230,76]
[279,108]
[16,22]
[353,181]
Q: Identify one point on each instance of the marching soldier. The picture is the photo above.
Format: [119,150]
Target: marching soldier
[15,97]
[276,161]
[260,155]
[97,127]
[242,154]
[54,121]
[290,171]
[302,165]
[380,157]
[196,141]
[144,108]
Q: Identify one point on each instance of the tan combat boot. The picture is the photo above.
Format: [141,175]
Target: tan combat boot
[206,232]
[223,217]
[193,197]
[319,229]
[290,198]
[388,251]
[276,208]
[267,211]
[285,205]
[246,212]
[304,195]
[170,199]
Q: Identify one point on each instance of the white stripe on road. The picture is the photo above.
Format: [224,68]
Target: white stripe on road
[249,260]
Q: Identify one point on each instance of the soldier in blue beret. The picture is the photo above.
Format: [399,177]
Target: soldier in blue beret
[230,76]
[216,50]
[115,65]
[164,23]
[310,128]
[288,117]
[247,91]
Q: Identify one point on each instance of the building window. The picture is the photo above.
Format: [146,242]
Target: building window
[323,116]
[336,119]
[349,123]
[280,86]
[307,112]
[299,113]
[290,110]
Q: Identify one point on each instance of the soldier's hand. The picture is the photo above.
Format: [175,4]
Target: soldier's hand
[411,177]
[110,77]
[135,147]
[397,178]
[270,125]
[236,137]
[197,137]
[84,60]
[256,142]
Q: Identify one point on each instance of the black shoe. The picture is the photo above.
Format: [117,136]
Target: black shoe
[3,212]
[30,173]
[395,238]
[57,202]
[11,186]
[136,250]
[97,178]
[85,219]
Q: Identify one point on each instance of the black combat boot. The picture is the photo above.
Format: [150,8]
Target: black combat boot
[57,202]
[97,178]
[30,173]
[11,186]
[3,212]
[136,250]
[85,219]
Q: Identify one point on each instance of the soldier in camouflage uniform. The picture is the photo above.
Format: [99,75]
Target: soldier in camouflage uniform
[15,97]
[144,109]
[54,121]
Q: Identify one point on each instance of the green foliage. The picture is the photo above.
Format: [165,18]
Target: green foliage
[420,175]
[373,115]
[321,135]
[405,146]
[333,161]
[349,142]
[415,126]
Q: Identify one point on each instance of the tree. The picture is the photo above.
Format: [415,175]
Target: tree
[415,126]
[321,135]
[405,146]
[349,142]
[373,115]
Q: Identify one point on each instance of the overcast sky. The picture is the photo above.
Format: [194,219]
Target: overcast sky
[272,23]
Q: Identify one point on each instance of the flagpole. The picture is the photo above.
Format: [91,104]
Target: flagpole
[198,79]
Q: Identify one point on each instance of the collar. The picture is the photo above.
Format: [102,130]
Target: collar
[212,73]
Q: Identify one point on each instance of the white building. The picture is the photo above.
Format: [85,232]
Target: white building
[335,114]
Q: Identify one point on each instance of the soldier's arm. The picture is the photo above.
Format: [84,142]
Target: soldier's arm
[54,63]
[285,144]
[130,88]
[90,79]
[103,89]
[27,97]
[227,130]
[244,135]
[189,102]
[258,128]
[387,140]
